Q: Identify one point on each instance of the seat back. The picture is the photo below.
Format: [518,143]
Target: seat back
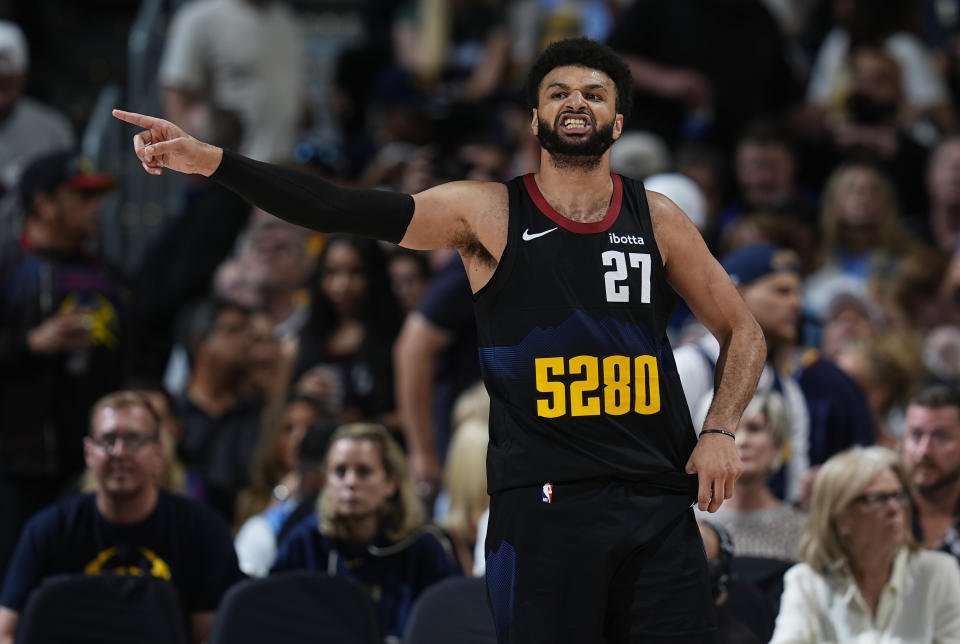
[453,611]
[297,608]
[103,609]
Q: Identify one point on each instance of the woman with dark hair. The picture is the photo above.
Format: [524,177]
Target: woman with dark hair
[345,347]
[370,525]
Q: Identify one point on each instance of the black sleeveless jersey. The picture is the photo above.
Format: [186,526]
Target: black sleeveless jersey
[574,353]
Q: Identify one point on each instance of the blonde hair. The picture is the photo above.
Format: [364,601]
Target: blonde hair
[771,405]
[889,232]
[472,403]
[840,480]
[402,514]
[123,399]
[465,478]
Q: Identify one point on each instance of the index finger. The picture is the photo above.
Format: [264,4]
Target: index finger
[138,119]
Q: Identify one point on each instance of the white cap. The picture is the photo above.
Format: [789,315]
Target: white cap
[13,49]
[683,191]
[639,154]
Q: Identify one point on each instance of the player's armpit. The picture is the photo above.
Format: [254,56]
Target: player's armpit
[461,215]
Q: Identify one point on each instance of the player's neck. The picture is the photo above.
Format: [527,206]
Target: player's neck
[575,192]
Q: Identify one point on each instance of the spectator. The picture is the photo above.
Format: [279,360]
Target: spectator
[28,129]
[873,126]
[256,542]
[863,577]
[848,317]
[931,454]
[353,322]
[409,277]
[278,250]
[920,293]
[62,333]
[270,362]
[862,238]
[369,525]
[888,369]
[942,227]
[436,360]
[941,354]
[760,524]
[274,475]
[127,525]
[234,71]
[881,24]
[827,410]
[221,427]
[172,476]
[707,166]
[688,59]
[465,488]
[769,281]
[766,168]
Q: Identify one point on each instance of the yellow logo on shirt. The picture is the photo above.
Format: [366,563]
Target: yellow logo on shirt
[150,564]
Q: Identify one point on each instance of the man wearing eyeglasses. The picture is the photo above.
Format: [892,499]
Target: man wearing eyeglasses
[128,526]
[931,454]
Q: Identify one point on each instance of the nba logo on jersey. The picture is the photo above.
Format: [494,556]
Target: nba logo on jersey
[547,495]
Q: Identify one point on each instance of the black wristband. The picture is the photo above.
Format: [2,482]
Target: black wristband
[719,431]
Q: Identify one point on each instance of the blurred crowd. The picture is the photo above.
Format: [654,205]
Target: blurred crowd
[318,393]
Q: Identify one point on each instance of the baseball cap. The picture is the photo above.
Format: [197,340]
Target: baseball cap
[62,168]
[751,262]
[13,49]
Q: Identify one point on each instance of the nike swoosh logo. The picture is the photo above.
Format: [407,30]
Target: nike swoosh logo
[527,235]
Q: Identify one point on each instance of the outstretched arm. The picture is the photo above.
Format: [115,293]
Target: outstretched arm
[436,218]
[701,281]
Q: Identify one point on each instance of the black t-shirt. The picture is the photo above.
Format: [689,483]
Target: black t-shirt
[574,352]
[181,541]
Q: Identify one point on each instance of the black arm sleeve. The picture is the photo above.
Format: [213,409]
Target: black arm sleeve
[312,202]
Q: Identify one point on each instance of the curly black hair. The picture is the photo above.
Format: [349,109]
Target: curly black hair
[582,52]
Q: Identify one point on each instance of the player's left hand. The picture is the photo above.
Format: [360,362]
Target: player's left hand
[716,462]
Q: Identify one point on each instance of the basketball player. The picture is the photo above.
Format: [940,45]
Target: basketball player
[593,462]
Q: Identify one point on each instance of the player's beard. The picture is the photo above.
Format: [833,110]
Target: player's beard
[583,154]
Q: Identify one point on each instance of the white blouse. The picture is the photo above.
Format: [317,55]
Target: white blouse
[920,604]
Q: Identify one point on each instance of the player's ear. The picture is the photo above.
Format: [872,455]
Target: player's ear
[617,126]
[535,123]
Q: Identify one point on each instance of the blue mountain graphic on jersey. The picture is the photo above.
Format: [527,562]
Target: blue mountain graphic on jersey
[577,335]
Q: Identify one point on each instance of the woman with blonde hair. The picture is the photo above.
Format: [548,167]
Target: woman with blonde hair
[760,524]
[863,577]
[465,486]
[369,525]
[862,238]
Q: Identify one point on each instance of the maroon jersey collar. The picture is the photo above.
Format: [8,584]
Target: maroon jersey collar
[576,226]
